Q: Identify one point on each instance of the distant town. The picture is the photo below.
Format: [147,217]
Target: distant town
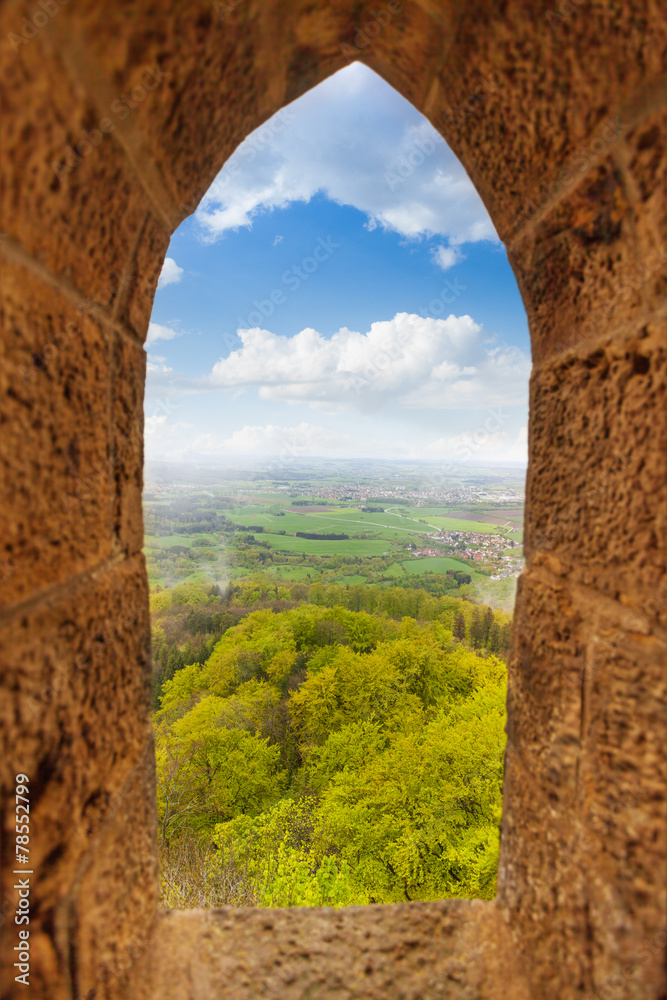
[481,548]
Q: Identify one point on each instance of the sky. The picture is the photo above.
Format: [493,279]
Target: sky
[339,292]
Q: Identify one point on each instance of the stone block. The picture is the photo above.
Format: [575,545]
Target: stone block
[646,161]
[56,482]
[129,365]
[135,310]
[580,270]
[120,864]
[545,93]
[583,809]
[75,706]
[74,203]
[598,462]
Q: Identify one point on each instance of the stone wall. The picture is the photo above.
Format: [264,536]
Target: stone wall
[558,115]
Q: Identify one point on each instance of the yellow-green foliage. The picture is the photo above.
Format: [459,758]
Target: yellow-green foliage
[338,757]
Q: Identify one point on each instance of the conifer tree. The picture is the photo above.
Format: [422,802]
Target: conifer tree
[477,629]
[487,623]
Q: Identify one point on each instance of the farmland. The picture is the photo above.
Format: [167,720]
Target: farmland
[216,525]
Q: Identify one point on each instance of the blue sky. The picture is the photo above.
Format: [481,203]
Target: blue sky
[339,292]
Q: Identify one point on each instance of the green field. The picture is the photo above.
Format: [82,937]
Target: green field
[340,520]
[166,541]
[295,574]
[434,564]
[377,550]
[290,523]
[453,524]
[349,547]
[440,520]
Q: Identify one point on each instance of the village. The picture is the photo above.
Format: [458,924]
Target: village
[480,547]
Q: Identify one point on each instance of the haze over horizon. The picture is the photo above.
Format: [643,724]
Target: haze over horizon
[340,293]
[287,462]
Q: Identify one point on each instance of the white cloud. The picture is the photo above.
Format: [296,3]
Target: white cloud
[272,439]
[480,441]
[284,443]
[156,331]
[170,273]
[155,364]
[410,360]
[446,257]
[356,140]
[487,441]
[168,438]
[153,425]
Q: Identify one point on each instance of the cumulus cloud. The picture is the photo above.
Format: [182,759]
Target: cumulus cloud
[446,257]
[157,365]
[411,360]
[170,274]
[157,331]
[357,141]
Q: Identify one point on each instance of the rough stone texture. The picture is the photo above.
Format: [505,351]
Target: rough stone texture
[402,952]
[644,160]
[127,455]
[54,379]
[76,232]
[107,941]
[583,822]
[585,254]
[603,413]
[561,126]
[146,266]
[74,701]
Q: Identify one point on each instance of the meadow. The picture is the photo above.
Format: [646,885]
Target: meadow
[235,528]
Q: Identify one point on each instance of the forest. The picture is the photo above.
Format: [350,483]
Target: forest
[326,745]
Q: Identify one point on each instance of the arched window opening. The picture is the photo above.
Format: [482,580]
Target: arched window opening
[336,413]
